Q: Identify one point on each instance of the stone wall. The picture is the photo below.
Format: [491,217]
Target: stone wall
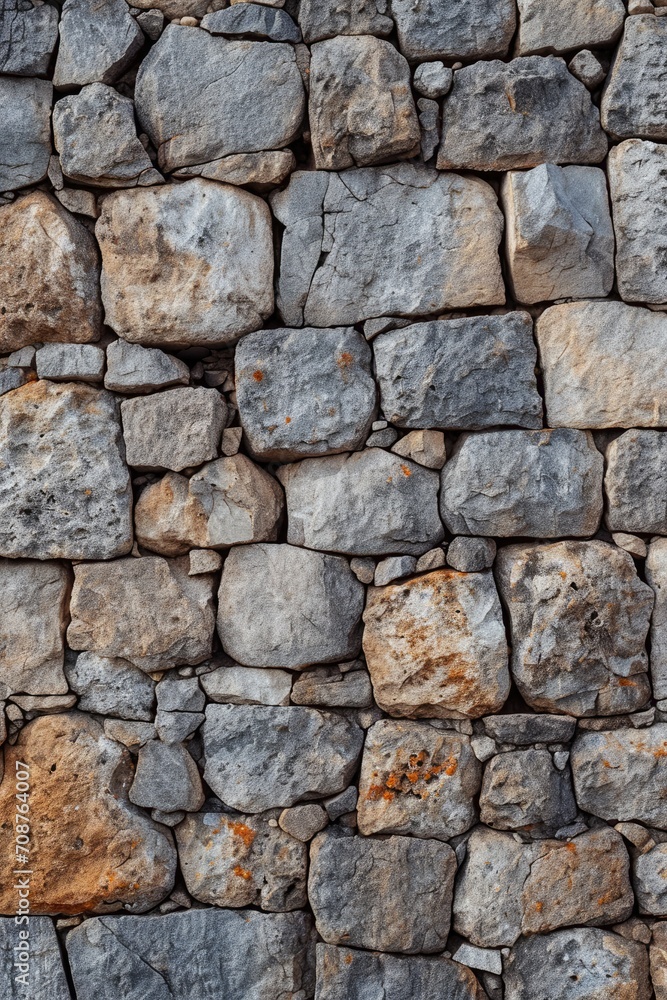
[333,500]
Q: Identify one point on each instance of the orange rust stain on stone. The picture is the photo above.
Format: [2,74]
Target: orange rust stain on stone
[258,375]
[344,359]
[405,470]
[539,906]
[625,682]
[572,848]
[242,873]
[288,420]
[241,830]
[348,959]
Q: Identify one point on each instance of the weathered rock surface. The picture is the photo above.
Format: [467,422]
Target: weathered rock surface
[634,102]
[468,373]
[635,482]
[111,686]
[537,483]
[471,555]
[658,958]
[509,116]
[134,369]
[475,30]
[248,686]
[281,606]
[259,171]
[260,757]
[524,729]
[433,79]
[435,646]
[28,35]
[98,41]
[148,611]
[304,392]
[166,778]
[185,264]
[586,66]
[251,20]
[25,131]
[572,24]
[650,881]
[399,240]
[602,364]
[327,687]
[173,429]
[200,97]
[49,275]
[64,486]
[31,950]
[392,894]
[656,577]
[66,362]
[523,790]
[348,17]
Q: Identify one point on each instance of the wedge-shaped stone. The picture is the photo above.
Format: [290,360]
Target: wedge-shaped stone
[148,611]
[111,686]
[258,171]
[185,264]
[433,30]
[567,25]
[28,36]
[656,577]
[347,17]
[509,116]
[65,489]
[579,618]
[365,503]
[174,429]
[49,275]
[263,757]
[634,101]
[469,373]
[635,482]
[398,240]
[25,131]
[132,369]
[98,41]
[538,483]
[200,97]
[435,646]
[524,790]
[31,950]
[252,21]
[603,364]
[166,778]
[304,392]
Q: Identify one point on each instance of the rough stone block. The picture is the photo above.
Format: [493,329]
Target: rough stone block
[524,790]
[634,101]
[635,482]
[433,30]
[25,131]
[570,24]
[99,39]
[173,429]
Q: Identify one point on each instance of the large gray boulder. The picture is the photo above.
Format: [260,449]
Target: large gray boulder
[468,373]
[433,30]
[346,17]
[635,482]
[656,577]
[25,131]
[176,429]
[570,24]
[28,36]
[382,241]
[99,39]
[524,790]
[537,483]
[634,101]
[30,956]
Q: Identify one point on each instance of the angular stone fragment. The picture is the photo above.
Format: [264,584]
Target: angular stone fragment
[468,373]
[148,611]
[392,894]
[634,101]
[509,116]
[95,134]
[329,688]
[622,774]
[364,503]
[471,555]
[398,240]
[603,365]
[636,482]
[394,568]
[264,955]
[638,183]
[173,429]
[650,881]
[132,369]
[523,790]
[304,392]
[62,362]
[25,131]
[185,264]
[424,447]
[252,20]
[658,957]
[258,171]
[102,857]
[28,35]
[111,686]
[433,79]
[234,860]
[248,686]
[524,729]
[200,97]
[348,17]
[98,41]
[417,780]
[656,577]
[540,483]
[166,778]
[475,30]
[303,822]
[65,489]
[281,606]
[569,24]
[435,646]
[560,241]
[171,10]
[29,950]
[260,757]
[179,694]
[587,67]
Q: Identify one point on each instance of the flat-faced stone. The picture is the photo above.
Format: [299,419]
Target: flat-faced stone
[252,20]
[25,131]
[132,369]
[349,17]
[374,241]
[417,780]
[30,953]
[259,171]
[524,790]
[327,687]
[148,611]
[649,872]
[200,97]
[570,24]
[634,101]
[635,482]
[469,373]
[603,364]
[166,778]
[656,577]
[185,264]
[102,857]
[99,39]
[475,30]
[435,646]
[304,392]
[658,959]
[63,362]
[537,483]
[49,275]
[28,36]
[303,822]
[471,555]
[282,606]
[65,489]
[111,686]
[262,757]
[248,686]
[392,894]
[588,68]
[173,429]
[524,729]
[509,116]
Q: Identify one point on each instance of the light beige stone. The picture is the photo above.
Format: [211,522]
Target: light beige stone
[173,429]
[545,26]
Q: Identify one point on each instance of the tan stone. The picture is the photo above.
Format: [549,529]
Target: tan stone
[658,958]
[258,171]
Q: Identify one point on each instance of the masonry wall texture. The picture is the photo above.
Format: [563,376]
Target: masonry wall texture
[333,499]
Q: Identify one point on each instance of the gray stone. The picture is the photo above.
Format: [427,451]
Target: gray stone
[560,241]
[131,734]
[248,686]
[466,373]
[132,369]
[471,555]
[346,17]
[281,606]
[65,489]
[187,263]
[111,686]
[260,757]
[151,22]
[99,39]
[259,171]
[363,568]
[635,482]
[393,894]
[429,122]
[393,568]
[327,687]
[656,577]
[541,483]
[650,881]
[634,101]
[363,503]
[621,774]
[304,392]
[62,362]
[523,790]
[479,958]
[200,97]
[402,239]
[174,10]
[78,201]
[509,116]
[587,67]
[603,365]
[95,134]
[424,447]
[382,439]
[361,109]
[28,35]
[339,805]
[658,958]
[252,20]
[176,727]
[569,24]
[166,778]
[180,694]
[173,429]
[524,729]
[474,30]
[25,131]
[433,79]
[29,950]
[303,822]
[265,955]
